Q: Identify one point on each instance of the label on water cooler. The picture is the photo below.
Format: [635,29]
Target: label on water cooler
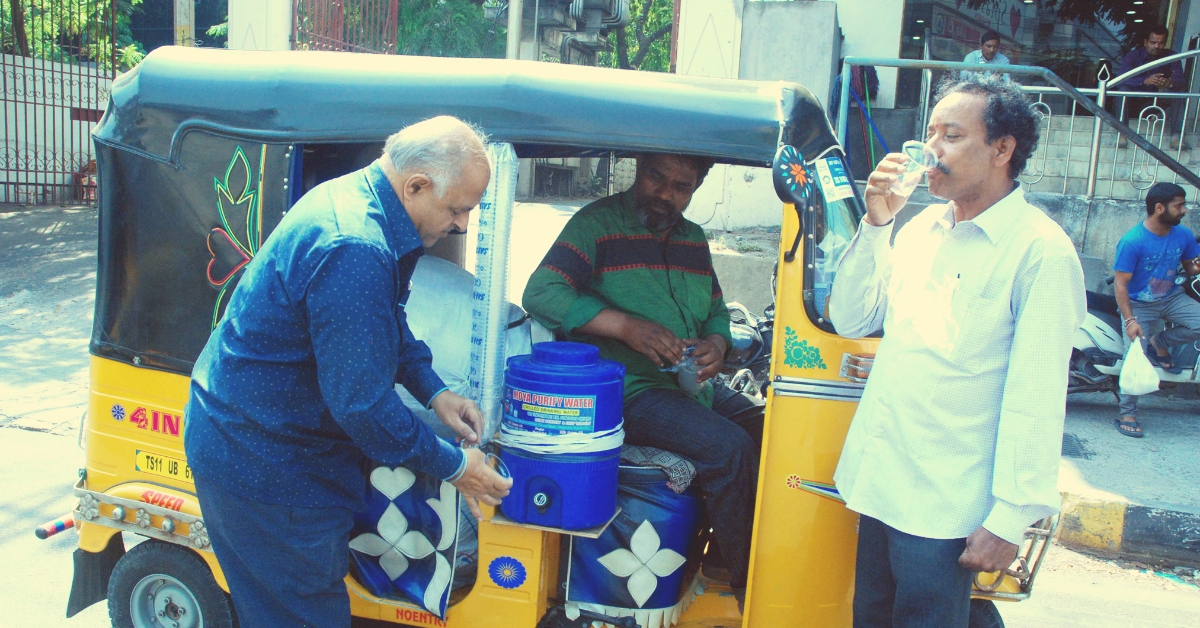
[547,413]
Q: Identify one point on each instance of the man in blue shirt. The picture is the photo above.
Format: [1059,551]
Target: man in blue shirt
[1146,292]
[295,387]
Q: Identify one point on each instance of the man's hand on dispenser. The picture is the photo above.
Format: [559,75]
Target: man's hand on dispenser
[459,414]
[481,483]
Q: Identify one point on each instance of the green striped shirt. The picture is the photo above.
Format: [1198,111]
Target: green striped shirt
[606,258]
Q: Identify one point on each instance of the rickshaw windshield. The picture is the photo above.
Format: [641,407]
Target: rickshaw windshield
[831,227]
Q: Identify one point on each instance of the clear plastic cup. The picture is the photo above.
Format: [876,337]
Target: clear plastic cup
[687,375]
[921,159]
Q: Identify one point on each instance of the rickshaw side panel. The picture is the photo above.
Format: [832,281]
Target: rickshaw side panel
[805,539]
[173,239]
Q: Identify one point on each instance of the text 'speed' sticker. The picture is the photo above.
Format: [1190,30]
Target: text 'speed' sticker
[835,183]
[163,466]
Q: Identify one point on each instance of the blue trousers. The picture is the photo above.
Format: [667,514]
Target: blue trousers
[285,564]
[906,581]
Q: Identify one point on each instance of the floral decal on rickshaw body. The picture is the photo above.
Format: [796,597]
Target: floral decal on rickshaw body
[507,572]
[794,175]
[236,242]
[799,354]
[643,563]
[394,552]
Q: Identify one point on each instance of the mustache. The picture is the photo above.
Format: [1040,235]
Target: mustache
[941,167]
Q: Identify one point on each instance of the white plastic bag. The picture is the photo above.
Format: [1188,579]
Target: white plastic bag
[439,313]
[1138,376]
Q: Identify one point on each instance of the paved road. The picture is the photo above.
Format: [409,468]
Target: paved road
[47,262]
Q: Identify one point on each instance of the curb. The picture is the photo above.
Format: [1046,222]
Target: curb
[12,208]
[1122,530]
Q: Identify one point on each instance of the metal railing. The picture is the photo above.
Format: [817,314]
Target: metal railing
[351,25]
[1146,156]
[57,62]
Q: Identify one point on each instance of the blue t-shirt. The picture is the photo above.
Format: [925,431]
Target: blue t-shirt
[1153,260]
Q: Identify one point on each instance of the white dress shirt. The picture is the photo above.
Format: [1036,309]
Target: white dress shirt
[947,436]
[976,56]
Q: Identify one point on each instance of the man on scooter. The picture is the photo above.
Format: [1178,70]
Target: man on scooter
[954,449]
[1144,284]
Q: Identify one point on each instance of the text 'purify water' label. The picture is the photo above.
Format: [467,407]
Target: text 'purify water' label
[549,413]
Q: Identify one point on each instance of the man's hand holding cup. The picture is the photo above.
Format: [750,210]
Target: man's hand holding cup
[882,202]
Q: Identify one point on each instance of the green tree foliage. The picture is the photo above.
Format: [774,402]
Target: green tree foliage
[218,31]
[70,31]
[448,28]
[644,43]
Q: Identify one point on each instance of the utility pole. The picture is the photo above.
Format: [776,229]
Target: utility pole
[515,12]
[185,23]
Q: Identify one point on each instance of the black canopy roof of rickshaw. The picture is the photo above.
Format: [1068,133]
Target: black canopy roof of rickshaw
[544,109]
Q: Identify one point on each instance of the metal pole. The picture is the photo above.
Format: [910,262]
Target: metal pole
[1187,102]
[1097,127]
[926,87]
[185,23]
[513,49]
[844,103]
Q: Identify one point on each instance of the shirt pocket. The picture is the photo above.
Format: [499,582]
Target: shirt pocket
[985,326]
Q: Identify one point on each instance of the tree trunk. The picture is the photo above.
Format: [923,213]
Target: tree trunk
[18,22]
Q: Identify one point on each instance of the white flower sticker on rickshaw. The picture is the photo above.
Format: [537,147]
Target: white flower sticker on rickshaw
[394,544]
[645,564]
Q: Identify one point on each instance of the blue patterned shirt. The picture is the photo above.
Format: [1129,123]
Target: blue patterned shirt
[295,385]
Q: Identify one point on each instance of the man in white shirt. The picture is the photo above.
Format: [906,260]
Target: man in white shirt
[989,51]
[954,449]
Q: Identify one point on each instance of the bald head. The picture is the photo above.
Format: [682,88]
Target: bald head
[441,148]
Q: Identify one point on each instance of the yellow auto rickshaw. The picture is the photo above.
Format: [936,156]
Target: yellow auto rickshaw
[201,152]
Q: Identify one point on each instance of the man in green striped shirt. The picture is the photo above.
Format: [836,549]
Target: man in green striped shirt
[632,276]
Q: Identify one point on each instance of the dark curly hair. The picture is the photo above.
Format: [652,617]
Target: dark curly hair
[1006,112]
[701,164]
[1162,193]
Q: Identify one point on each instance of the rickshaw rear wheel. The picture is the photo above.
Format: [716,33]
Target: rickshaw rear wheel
[984,614]
[160,585]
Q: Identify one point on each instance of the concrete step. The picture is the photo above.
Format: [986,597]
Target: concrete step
[1104,169]
[1083,137]
[1109,153]
[1062,121]
[1105,188]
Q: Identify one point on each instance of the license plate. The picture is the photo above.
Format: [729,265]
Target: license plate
[164,466]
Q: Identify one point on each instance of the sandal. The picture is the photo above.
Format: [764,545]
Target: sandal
[1128,428]
[1162,361]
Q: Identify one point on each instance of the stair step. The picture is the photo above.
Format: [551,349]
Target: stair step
[1105,188]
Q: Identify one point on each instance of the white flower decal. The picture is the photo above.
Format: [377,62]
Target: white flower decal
[392,482]
[644,565]
[394,544]
[446,507]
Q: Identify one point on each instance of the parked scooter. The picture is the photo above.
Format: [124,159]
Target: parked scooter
[747,366]
[1099,346]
